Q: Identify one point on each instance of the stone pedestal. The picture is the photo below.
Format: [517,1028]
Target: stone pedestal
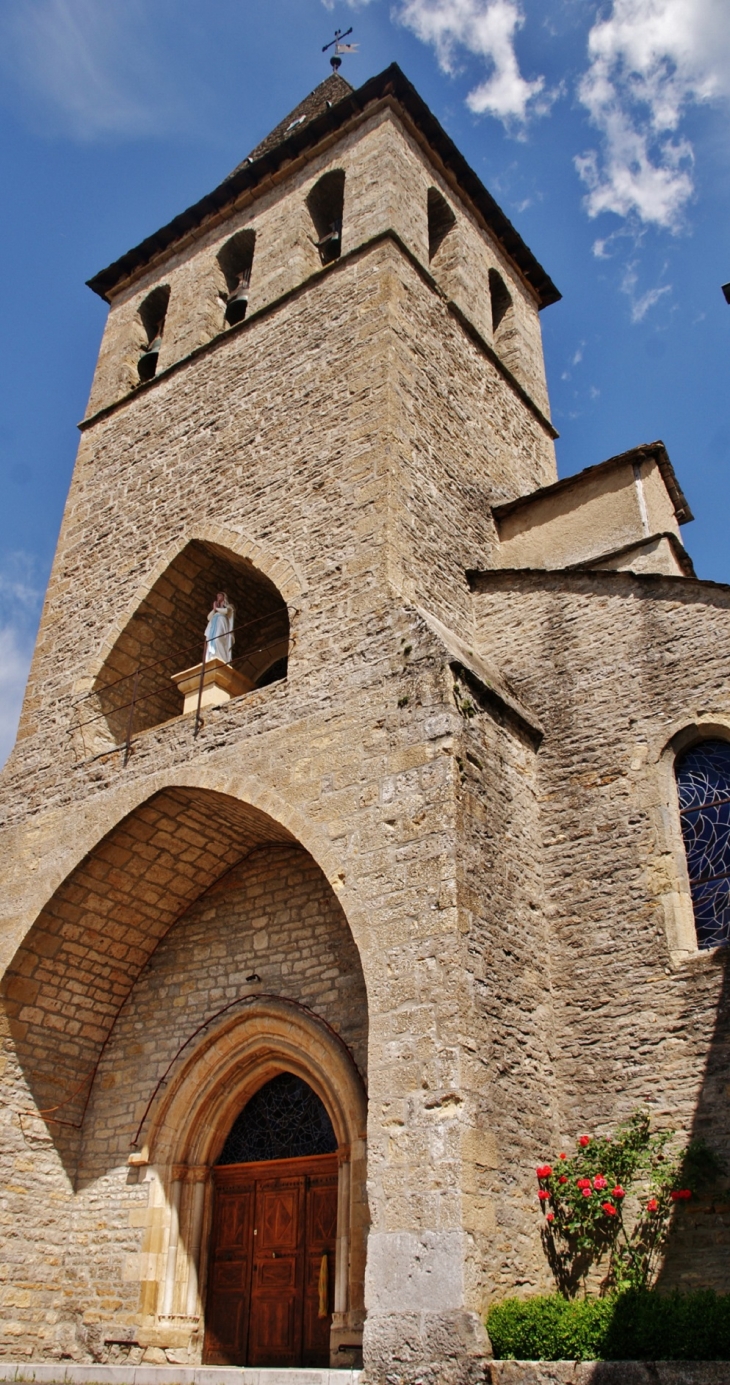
[221,682]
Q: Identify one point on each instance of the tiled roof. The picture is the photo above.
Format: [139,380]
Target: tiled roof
[327,94]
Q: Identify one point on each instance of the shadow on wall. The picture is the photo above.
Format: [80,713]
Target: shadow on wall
[165,636]
[698,1251]
[78,963]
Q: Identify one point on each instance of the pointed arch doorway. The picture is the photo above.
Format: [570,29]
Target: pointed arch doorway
[227,1155]
[274,1232]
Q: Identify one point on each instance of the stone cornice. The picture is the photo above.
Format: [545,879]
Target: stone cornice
[292,294]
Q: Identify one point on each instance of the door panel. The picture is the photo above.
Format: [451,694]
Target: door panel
[226,1323]
[321,1233]
[276,1306]
[273,1223]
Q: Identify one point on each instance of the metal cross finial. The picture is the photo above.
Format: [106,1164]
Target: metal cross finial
[339,47]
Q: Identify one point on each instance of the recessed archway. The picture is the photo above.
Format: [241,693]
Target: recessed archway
[187,1128]
[99,969]
[134,688]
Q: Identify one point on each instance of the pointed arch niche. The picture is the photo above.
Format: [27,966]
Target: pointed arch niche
[194,953]
[134,689]
[186,1135]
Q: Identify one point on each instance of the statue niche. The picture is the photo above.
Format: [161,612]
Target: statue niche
[209,606]
[214,681]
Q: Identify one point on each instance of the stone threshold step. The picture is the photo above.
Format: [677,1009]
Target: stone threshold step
[65,1373]
[608,1373]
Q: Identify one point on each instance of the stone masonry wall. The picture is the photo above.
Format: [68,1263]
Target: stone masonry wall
[387,176]
[615,666]
[432,439]
[511,1046]
[368,784]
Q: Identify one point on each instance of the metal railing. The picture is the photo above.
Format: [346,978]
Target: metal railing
[176,659]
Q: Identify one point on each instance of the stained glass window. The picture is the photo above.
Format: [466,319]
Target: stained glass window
[703,784]
[284,1119]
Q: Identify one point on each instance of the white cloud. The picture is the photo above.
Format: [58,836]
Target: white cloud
[20,598]
[91,61]
[649,61]
[487,29]
[15,656]
[641,305]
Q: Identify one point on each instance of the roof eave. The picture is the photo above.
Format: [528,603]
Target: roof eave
[655,450]
[391,82]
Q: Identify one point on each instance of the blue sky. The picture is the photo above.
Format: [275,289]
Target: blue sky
[600,128]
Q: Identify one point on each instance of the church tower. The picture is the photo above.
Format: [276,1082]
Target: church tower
[282,1037]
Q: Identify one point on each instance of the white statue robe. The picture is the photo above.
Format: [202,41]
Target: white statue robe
[219,633]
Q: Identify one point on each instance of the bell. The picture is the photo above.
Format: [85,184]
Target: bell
[237,305]
[147,363]
[330,245]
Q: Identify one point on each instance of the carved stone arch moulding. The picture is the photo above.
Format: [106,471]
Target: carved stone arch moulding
[673,875]
[186,1128]
[280,570]
[189,1124]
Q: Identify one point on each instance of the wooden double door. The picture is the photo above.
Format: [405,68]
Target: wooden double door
[272,1263]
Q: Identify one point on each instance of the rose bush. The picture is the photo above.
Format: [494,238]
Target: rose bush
[581,1229]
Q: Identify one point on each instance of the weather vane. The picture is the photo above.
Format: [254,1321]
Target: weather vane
[339,47]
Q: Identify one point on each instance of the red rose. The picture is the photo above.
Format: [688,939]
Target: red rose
[618,1191]
[609,1209]
[600,1182]
[562,1178]
[652,1205]
[562,1156]
[544,1171]
[550,1216]
[587,1192]
[681,1195]
[544,1195]
[582,1182]
[584,1141]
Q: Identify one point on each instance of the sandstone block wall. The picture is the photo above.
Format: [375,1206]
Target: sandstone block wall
[616,667]
[387,177]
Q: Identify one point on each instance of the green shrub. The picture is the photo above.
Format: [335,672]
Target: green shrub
[640,1325]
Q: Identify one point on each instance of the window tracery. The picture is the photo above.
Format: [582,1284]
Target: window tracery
[703,787]
[284,1119]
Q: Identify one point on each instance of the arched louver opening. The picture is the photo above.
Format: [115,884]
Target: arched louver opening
[326,204]
[703,786]
[500,297]
[440,220]
[153,312]
[236,262]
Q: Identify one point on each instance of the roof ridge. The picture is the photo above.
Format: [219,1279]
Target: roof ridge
[389,85]
[325,94]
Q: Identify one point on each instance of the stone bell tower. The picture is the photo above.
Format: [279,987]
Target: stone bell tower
[314,388]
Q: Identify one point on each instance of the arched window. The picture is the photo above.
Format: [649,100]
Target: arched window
[236,262]
[326,203]
[153,312]
[284,1119]
[501,299]
[703,785]
[440,220]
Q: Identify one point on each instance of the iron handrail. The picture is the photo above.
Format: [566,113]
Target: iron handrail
[142,668]
[155,692]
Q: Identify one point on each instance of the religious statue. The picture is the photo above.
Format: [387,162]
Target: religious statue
[219,630]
